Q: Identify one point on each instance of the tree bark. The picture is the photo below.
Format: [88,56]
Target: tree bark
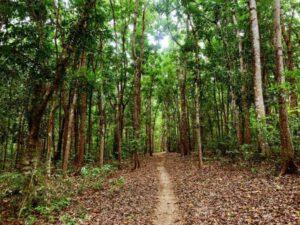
[287,149]
[198,127]
[67,150]
[20,140]
[101,128]
[83,113]
[137,79]
[44,91]
[258,90]
[246,135]
[90,121]
[184,133]
[50,133]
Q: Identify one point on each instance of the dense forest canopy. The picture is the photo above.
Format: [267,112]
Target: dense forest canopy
[92,82]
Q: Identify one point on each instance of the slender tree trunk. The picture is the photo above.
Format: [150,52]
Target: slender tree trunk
[150,126]
[137,79]
[20,140]
[287,149]
[119,117]
[198,127]
[67,150]
[50,133]
[90,122]
[83,113]
[101,128]
[61,118]
[185,150]
[235,110]
[258,90]
[75,132]
[66,130]
[6,144]
[119,125]
[246,135]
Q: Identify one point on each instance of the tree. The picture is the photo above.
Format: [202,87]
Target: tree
[257,77]
[287,149]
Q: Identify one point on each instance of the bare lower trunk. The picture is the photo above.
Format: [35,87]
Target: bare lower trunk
[66,122]
[67,150]
[258,89]
[149,126]
[31,153]
[247,129]
[287,149]
[50,144]
[20,141]
[198,128]
[82,130]
[101,129]
[119,126]
[137,79]
[244,137]
[90,122]
[236,119]
[184,128]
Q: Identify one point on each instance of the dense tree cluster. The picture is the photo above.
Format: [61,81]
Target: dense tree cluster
[88,81]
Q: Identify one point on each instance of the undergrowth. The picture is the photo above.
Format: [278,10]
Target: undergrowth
[53,194]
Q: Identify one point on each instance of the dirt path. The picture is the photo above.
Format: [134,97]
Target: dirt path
[167,212]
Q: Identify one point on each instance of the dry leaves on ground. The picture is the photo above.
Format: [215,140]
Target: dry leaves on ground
[229,194]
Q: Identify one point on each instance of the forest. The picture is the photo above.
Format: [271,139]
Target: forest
[149,112]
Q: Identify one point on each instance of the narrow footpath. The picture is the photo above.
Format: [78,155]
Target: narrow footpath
[167,212]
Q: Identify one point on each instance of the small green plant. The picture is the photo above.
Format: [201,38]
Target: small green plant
[96,171]
[119,182]
[98,185]
[116,184]
[10,184]
[254,170]
[66,219]
[61,203]
[107,168]
[30,220]
[44,210]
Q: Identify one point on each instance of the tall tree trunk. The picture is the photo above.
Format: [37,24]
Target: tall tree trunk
[20,140]
[198,126]
[287,149]
[258,90]
[119,118]
[66,106]
[90,121]
[233,97]
[6,144]
[67,150]
[61,118]
[246,135]
[75,133]
[137,79]
[148,125]
[185,146]
[83,113]
[119,124]
[150,141]
[101,128]
[50,133]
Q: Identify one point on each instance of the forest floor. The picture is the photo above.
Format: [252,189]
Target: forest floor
[169,189]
